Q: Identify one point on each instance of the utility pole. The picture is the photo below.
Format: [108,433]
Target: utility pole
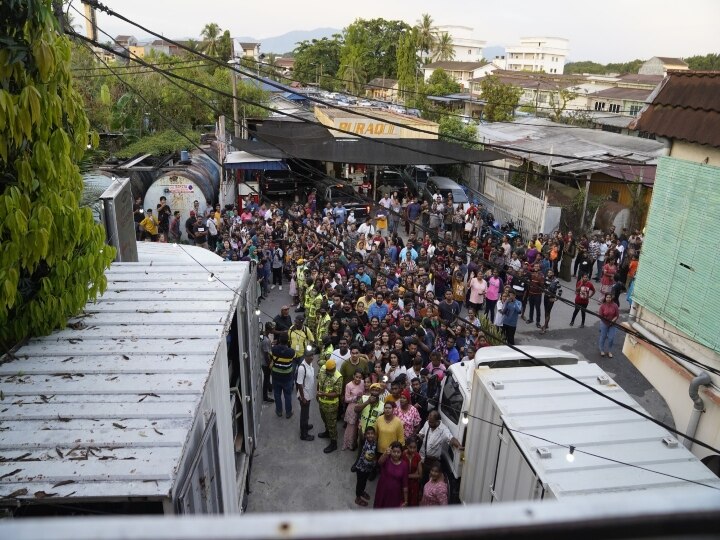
[236,118]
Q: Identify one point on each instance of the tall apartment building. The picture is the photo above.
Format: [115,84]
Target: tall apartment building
[466,46]
[546,54]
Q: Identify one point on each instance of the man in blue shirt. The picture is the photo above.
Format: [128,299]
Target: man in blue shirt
[413,253]
[513,308]
[453,355]
[378,309]
[412,213]
[363,277]
[339,213]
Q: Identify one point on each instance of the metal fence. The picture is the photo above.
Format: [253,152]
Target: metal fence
[509,203]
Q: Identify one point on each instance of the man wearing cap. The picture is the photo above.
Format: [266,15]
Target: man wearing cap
[329,390]
[305,384]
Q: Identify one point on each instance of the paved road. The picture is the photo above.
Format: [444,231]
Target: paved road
[292,475]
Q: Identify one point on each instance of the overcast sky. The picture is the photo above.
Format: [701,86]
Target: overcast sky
[606,31]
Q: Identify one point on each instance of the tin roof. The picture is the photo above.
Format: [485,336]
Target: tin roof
[453,65]
[618,92]
[686,107]
[104,407]
[540,402]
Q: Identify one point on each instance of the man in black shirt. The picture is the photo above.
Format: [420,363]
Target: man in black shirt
[449,309]
[283,322]
[190,227]
[201,233]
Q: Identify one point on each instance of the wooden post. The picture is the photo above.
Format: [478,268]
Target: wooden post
[585,201]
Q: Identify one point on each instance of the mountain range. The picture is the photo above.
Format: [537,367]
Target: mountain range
[287,42]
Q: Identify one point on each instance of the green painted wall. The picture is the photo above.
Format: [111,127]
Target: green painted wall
[679,274]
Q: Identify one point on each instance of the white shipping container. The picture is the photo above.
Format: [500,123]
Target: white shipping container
[532,415]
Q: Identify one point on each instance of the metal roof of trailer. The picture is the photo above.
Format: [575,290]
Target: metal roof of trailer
[538,401]
[104,407]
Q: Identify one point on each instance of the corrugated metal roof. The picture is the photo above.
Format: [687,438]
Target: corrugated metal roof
[538,401]
[103,408]
[686,107]
[454,65]
[634,94]
[540,135]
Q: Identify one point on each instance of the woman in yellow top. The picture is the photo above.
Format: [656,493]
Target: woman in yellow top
[389,428]
[149,226]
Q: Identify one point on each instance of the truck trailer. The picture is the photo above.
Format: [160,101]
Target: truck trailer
[533,434]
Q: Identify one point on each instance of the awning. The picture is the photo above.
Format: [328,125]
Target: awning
[288,140]
[246,160]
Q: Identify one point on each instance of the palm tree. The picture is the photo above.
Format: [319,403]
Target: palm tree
[425,34]
[211,35]
[443,50]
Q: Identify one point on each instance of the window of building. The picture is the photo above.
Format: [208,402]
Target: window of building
[469,51]
[635,109]
[600,105]
[614,108]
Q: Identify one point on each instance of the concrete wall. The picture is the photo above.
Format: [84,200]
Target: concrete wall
[695,152]
[672,380]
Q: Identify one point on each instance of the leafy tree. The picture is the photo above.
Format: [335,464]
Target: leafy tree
[407,64]
[501,99]
[53,255]
[442,84]
[316,58]
[425,35]
[353,68]
[224,46]
[558,102]
[709,62]
[624,67]
[378,39]
[211,36]
[452,126]
[443,50]
[585,66]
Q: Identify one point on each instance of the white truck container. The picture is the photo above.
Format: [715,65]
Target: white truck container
[457,388]
[147,403]
[522,422]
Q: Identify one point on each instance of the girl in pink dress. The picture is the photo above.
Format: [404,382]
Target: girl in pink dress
[435,492]
[353,390]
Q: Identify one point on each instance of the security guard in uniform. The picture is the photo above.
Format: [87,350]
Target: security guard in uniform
[330,389]
[313,300]
[322,327]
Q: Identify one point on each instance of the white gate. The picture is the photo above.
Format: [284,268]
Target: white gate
[513,204]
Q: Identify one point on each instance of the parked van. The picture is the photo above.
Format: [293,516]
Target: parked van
[445,187]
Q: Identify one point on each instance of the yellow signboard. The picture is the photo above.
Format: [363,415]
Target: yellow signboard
[369,128]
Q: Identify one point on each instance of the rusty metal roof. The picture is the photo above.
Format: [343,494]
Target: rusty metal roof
[686,107]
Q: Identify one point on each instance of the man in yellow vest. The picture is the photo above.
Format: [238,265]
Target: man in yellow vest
[322,327]
[300,337]
[329,390]
[313,301]
[370,408]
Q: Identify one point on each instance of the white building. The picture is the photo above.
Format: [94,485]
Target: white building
[466,46]
[546,54]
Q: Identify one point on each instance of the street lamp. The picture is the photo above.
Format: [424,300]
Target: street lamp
[236,117]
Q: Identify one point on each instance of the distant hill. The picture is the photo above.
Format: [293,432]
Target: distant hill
[286,42]
[491,52]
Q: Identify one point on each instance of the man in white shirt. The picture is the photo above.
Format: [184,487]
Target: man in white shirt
[432,439]
[602,251]
[385,201]
[366,228]
[305,384]
[212,233]
[340,354]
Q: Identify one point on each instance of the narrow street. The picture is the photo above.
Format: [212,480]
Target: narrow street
[293,475]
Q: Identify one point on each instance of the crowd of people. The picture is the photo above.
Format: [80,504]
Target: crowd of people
[377,315]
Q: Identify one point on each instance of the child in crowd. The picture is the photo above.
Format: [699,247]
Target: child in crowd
[365,465]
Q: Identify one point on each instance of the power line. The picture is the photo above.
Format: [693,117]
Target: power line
[103,8]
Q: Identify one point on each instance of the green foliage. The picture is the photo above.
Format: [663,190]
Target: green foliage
[443,50]
[571,215]
[225,46]
[709,62]
[442,84]
[407,63]
[53,255]
[317,58]
[502,99]
[587,66]
[353,68]
[558,102]
[211,34]
[376,41]
[452,126]
[425,35]
[161,142]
